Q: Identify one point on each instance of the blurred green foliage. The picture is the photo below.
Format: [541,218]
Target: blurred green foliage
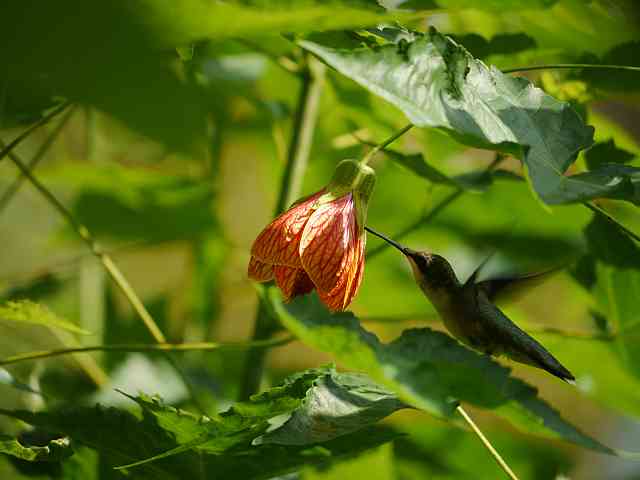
[174,160]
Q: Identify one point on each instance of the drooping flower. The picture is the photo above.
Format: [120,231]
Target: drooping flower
[319,242]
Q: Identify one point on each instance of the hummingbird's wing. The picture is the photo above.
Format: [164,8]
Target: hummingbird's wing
[509,339]
[510,287]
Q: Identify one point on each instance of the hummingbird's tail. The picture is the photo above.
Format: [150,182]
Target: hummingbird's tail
[529,351]
[400,247]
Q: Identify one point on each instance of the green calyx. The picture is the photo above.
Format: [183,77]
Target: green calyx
[353,177]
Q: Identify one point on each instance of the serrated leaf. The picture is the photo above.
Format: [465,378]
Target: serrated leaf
[437,83]
[54,451]
[427,369]
[336,404]
[224,442]
[25,311]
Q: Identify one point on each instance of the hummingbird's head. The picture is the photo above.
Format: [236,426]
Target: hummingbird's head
[431,271]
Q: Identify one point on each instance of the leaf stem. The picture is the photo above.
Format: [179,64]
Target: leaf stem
[298,156]
[486,443]
[6,149]
[572,65]
[595,208]
[150,348]
[385,144]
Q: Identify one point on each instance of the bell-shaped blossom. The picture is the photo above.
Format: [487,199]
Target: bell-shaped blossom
[319,242]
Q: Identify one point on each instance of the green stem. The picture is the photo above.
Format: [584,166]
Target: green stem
[610,219]
[385,144]
[15,142]
[487,443]
[572,65]
[44,148]
[150,348]
[297,159]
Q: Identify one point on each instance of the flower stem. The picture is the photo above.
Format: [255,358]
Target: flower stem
[151,348]
[487,443]
[572,65]
[297,160]
[385,144]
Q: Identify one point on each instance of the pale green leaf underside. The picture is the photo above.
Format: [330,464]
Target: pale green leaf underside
[438,84]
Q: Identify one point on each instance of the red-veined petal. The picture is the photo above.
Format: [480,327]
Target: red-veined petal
[292,281]
[278,243]
[259,271]
[328,242]
[343,294]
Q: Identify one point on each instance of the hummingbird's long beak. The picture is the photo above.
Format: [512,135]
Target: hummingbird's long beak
[400,247]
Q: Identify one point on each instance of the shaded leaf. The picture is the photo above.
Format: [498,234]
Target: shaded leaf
[501,44]
[622,81]
[139,204]
[427,369]
[224,442]
[603,153]
[617,287]
[25,311]
[437,83]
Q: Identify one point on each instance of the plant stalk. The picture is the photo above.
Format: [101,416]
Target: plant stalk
[150,348]
[292,177]
[385,144]
[487,443]
[44,148]
[16,141]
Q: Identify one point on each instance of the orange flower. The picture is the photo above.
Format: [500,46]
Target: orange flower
[319,242]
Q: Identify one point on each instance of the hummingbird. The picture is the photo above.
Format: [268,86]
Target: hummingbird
[469,313]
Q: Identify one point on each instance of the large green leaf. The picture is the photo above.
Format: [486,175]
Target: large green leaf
[250,437]
[437,83]
[336,404]
[427,369]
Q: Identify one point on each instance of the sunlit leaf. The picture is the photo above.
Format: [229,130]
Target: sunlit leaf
[437,83]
